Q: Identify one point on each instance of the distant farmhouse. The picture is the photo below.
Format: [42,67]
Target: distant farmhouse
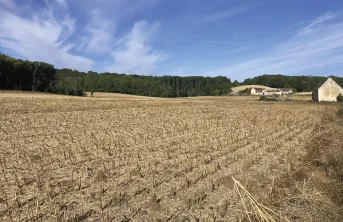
[327,91]
[257,91]
[286,91]
[270,92]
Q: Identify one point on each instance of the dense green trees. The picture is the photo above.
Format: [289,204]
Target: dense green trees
[39,76]
[24,75]
[340,98]
[163,86]
[300,83]
[68,82]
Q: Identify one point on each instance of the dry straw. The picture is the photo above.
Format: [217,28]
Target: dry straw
[263,213]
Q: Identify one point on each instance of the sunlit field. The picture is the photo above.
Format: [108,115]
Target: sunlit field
[116,157]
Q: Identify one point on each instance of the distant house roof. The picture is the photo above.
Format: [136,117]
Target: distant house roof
[285,89]
[273,90]
[258,89]
[322,83]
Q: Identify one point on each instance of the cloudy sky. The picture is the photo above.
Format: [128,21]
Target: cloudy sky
[235,38]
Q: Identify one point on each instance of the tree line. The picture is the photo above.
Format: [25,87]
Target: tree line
[299,83]
[156,86]
[16,74]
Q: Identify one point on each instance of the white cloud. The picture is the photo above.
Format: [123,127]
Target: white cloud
[69,23]
[51,34]
[104,16]
[226,13]
[117,8]
[41,37]
[62,3]
[239,49]
[316,22]
[321,47]
[100,36]
[133,54]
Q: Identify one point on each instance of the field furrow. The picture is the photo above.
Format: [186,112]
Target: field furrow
[75,159]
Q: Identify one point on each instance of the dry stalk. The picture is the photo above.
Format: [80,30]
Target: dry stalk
[264,213]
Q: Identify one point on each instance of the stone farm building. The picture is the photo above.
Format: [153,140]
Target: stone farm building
[257,91]
[327,91]
[286,91]
[271,92]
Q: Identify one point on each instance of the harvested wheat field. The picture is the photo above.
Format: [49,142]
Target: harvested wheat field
[130,159]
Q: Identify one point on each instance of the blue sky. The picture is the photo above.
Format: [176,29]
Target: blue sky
[235,38]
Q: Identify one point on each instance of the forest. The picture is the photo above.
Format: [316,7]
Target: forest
[16,74]
[156,86]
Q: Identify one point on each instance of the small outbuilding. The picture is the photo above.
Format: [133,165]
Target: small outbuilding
[257,91]
[271,92]
[286,91]
[327,91]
